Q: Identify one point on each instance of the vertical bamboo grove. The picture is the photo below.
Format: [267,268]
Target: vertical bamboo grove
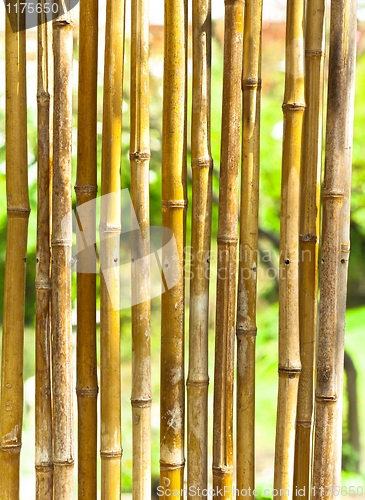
[246,329]
[43,393]
[86,189]
[335,248]
[309,241]
[289,347]
[227,242]
[110,229]
[11,396]
[202,165]
[62,368]
[141,397]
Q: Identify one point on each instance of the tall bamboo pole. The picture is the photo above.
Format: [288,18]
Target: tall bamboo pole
[11,399]
[227,242]
[110,228]
[335,248]
[289,349]
[308,241]
[43,406]
[246,330]
[62,376]
[174,202]
[141,397]
[202,165]
[86,189]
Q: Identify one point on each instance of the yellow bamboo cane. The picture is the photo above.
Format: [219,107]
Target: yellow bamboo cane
[227,242]
[141,397]
[62,376]
[247,279]
[86,189]
[110,228]
[308,244]
[289,349]
[11,400]
[174,204]
[43,406]
[335,249]
[202,164]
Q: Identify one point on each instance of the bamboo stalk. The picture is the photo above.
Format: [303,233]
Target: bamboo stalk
[174,203]
[227,242]
[289,347]
[110,228]
[202,165]
[141,397]
[308,241]
[11,401]
[246,330]
[335,248]
[86,189]
[62,376]
[43,406]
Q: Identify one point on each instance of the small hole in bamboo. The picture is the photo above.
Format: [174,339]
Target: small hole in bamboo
[287,261]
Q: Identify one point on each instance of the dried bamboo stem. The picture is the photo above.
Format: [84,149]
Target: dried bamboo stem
[110,228]
[308,242]
[86,189]
[174,203]
[62,376]
[335,248]
[141,397]
[247,280]
[289,347]
[11,400]
[43,406]
[202,165]
[227,243]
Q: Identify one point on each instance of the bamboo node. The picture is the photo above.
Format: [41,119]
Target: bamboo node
[226,239]
[86,189]
[202,162]
[106,228]
[87,391]
[140,156]
[61,242]
[111,454]
[345,247]
[171,466]
[251,331]
[222,470]
[43,97]
[43,284]
[69,462]
[332,193]
[197,383]
[291,372]
[317,54]
[174,203]
[141,403]
[10,448]
[293,106]
[22,213]
[251,83]
[307,424]
[308,237]
[322,398]
[44,466]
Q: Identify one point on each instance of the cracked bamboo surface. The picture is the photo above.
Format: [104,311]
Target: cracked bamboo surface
[141,397]
[309,239]
[289,347]
[11,401]
[174,202]
[62,373]
[202,164]
[86,189]
[110,229]
[43,402]
[227,242]
[246,329]
[335,248]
